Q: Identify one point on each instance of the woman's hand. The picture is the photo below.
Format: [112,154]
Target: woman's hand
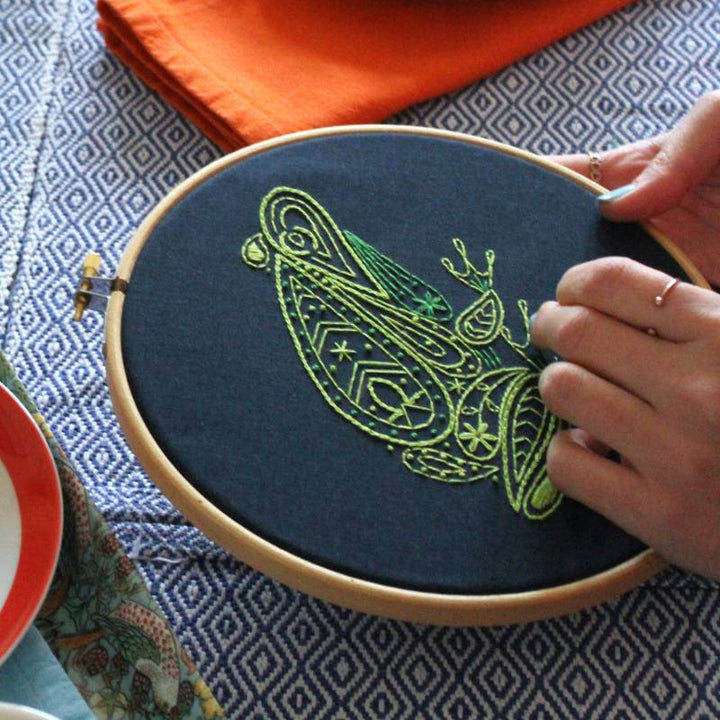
[655,399]
[672,182]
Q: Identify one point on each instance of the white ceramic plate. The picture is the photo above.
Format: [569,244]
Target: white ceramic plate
[9,711]
[30,520]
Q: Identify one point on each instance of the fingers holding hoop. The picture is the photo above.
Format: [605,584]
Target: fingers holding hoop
[615,167]
[642,297]
[608,348]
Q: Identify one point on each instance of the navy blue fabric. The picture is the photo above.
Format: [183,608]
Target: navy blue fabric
[217,379]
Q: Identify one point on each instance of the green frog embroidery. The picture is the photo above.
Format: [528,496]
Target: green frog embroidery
[390,355]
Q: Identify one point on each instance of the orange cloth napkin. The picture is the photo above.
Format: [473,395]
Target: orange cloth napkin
[247,70]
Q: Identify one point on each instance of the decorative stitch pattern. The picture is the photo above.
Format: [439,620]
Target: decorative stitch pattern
[388,353]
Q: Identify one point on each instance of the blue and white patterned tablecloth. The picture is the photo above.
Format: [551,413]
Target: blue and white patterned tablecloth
[86,150]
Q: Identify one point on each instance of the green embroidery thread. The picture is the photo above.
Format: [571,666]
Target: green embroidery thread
[406,289]
[389,354]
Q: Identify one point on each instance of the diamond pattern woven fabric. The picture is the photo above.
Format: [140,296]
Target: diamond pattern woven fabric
[87,150]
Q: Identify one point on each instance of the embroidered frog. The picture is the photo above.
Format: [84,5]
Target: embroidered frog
[389,354]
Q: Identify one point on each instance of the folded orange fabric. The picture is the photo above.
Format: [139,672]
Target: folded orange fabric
[247,70]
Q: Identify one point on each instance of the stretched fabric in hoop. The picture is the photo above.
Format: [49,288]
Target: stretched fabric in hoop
[248,70]
[217,375]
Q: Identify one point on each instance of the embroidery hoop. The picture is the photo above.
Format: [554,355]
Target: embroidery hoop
[297,572]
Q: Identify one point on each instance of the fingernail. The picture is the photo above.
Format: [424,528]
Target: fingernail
[546,355]
[617,193]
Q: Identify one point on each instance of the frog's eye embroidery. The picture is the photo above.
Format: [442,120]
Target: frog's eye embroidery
[390,355]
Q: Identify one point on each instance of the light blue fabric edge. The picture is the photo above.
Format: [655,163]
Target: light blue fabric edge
[33,677]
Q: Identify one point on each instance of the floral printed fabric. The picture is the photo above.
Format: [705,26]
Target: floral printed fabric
[100,620]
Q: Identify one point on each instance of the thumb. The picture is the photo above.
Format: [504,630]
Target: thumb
[684,158]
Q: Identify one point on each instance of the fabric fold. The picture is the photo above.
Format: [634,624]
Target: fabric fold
[249,70]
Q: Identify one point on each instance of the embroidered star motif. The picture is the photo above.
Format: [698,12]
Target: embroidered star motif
[342,351]
[429,304]
[456,386]
[408,403]
[477,436]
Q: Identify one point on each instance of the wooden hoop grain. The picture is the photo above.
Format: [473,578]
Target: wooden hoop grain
[332,586]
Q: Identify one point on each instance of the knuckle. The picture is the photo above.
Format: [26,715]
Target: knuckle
[697,464]
[709,314]
[559,383]
[593,279]
[612,272]
[705,464]
[544,312]
[573,331]
[661,161]
[651,146]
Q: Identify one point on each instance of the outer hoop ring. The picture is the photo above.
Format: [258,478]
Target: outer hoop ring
[311,578]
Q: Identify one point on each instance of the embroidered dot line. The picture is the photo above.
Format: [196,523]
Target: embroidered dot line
[387,352]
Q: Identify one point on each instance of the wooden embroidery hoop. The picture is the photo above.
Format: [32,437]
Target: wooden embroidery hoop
[329,585]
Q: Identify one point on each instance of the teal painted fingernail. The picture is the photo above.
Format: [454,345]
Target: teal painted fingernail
[617,193]
[532,318]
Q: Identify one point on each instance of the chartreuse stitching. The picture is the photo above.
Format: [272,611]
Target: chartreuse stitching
[389,354]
